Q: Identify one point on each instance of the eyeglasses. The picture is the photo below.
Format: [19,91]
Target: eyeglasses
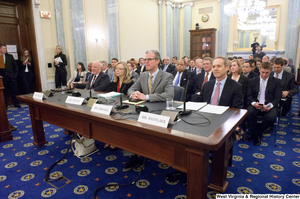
[149,59]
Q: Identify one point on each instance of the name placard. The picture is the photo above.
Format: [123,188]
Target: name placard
[74,100]
[153,119]
[39,96]
[100,108]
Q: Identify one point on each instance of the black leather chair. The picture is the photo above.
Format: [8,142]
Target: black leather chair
[178,93]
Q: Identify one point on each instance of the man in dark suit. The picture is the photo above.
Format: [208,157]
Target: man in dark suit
[290,65]
[199,67]
[167,66]
[10,74]
[203,77]
[141,68]
[264,94]
[99,81]
[247,70]
[288,84]
[181,76]
[222,91]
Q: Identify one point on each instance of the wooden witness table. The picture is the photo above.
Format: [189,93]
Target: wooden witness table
[183,151]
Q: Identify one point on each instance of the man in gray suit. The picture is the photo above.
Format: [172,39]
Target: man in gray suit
[154,84]
[106,70]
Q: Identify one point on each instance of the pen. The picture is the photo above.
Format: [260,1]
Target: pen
[116,102]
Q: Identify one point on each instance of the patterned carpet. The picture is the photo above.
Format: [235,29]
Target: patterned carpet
[262,169]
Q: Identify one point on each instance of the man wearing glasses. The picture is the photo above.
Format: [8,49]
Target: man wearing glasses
[153,85]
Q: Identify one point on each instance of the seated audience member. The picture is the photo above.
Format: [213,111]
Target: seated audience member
[287,69]
[290,64]
[78,77]
[250,57]
[141,68]
[121,83]
[222,91]
[99,81]
[247,70]
[167,66]
[258,63]
[174,60]
[181,76]
[288,84]
[134,75]
[241,59]
[235,73]
[193,65]
[199,67]
[253,66]
[203,77]
[264,94]
[154,85]
[265,59]
[230,59]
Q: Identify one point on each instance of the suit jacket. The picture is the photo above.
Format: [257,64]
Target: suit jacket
[82,77]
[183,81]
[140,67]
[135,76]
[194,71]
[102,82]
[11,67]
[256,70]
[137,71]
[243,80]
[199,80]
[170,68]
[162,86]
[273,90]
[124,87]
[260,55]
[88,76]
[288,83]
[22,69]
[252,74]
[109,72]
[62,65]
[231,94]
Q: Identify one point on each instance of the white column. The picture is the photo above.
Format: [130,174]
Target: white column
[223,30]
[160,25]
[187,25]
[59,24]
[169,10]
[176,30]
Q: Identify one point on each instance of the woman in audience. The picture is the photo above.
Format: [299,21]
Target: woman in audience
[26,72]
[121,83]
[235,73]
[78,77]
[258,63]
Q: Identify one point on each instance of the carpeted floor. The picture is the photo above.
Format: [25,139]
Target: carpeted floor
[262,169]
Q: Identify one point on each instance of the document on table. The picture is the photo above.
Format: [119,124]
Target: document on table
[58,59]
[214,109]
[192,105]
[110,94]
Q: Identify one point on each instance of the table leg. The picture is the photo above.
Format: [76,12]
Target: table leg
[37,128]
[197,174]
[219,168]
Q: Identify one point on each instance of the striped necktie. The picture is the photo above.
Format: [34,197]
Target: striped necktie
[150,84]
[276,75]
[93,81]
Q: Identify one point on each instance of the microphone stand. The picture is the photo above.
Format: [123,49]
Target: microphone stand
[185,112]
[121,106]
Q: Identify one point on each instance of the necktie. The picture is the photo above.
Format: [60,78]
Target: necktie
[150,84]
[199,71]
[93,81]
[262,92]
[177,80]
[165,68]
[276,75]
[112,76]
[205,80]
[214,100]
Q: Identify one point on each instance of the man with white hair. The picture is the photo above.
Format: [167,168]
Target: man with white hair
[99,81]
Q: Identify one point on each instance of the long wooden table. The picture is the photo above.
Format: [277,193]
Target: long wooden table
[184,151]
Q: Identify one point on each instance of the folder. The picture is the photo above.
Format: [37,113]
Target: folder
[2,61]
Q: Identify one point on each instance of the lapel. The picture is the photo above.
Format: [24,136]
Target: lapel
[257,86]
[157,80]
[210,90]
[225,90]
[283,78]
[269,84]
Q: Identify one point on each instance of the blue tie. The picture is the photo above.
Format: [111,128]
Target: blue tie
[165,68]
[177,80]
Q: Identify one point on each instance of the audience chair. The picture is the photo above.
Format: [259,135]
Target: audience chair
[178,93]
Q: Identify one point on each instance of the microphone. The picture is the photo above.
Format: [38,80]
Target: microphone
[185,112]
[91,91]
[121,106]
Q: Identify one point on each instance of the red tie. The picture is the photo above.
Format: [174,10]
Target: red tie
[205,80]
[93,81]
[215,98]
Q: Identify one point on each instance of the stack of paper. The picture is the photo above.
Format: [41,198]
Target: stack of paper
[214,109]
[110,94]
[192,105]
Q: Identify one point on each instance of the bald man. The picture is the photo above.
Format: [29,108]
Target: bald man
[167,67]
[99,81]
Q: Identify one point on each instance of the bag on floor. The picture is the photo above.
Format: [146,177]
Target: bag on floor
[83,147]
